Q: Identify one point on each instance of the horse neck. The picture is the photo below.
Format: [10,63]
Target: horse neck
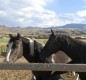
[74,48]
[26,51]
[26,48]
[37,50]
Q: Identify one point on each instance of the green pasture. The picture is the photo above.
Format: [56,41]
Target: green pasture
[3,41]
[42,41]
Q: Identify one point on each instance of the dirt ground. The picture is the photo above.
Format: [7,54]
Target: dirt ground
[25,74]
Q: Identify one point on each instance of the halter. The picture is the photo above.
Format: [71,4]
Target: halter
[31,46]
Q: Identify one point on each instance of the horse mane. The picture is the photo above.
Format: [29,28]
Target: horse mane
[70,40]
[76,41]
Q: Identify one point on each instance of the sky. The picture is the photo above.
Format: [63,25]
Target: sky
[42,13]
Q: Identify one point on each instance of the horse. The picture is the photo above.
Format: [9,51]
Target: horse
[19,46]
[74,48]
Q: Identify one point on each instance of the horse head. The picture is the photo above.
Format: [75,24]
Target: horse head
[14,48]
[53,45]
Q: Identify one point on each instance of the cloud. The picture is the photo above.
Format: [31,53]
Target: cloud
[26,12]
[77,17]
[2,14]
[81,13]
[35,13]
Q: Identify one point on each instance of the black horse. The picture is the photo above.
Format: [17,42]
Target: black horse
[74,48]
[19,46]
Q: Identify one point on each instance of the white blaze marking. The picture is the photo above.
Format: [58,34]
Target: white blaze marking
[9,51]
[8,55]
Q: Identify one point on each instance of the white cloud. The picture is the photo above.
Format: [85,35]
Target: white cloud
[77,17]
[2,14]
[81,13]
[27,12]
[35,13]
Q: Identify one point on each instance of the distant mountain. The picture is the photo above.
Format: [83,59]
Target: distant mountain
[70,29]
[78,26]
[71,26]
[5,30]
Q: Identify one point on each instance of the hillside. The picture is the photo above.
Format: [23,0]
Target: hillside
[71,26]
[77,26]
[69,29]
[5,30]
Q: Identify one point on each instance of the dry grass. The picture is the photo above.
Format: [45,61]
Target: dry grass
[15,75]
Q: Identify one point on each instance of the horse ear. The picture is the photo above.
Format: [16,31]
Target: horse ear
[18,35]
[10,35]
[52,32]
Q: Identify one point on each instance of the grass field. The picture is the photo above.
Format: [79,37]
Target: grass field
[3,41]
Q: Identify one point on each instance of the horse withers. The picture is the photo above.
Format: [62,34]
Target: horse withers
[19,46]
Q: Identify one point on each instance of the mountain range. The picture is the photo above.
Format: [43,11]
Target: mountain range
[71,26]
[68,28]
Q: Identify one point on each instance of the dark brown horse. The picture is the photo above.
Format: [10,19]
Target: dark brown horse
[75,49]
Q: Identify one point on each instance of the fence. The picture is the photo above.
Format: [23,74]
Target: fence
[44,67]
